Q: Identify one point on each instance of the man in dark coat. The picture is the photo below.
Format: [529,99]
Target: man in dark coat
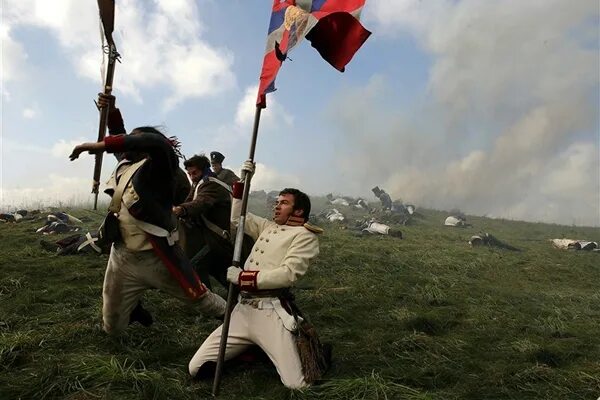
[206,216]
[145,254]
[223,174]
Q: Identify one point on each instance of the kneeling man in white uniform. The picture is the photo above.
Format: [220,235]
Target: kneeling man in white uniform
[281,254]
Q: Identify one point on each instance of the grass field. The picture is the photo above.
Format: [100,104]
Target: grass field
[423,317]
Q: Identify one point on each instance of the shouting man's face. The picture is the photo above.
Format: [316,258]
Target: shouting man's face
[194,173]
[284,208]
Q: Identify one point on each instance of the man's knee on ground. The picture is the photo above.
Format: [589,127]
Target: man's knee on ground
[113,327]
[296,384]
[202,370]
[293,379]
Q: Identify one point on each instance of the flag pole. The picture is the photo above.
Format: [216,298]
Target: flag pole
[337,36]
[237,256]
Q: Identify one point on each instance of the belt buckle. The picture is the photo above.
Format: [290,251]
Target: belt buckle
[254,303]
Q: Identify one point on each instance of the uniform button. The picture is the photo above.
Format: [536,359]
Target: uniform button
[257,263]
[261,238]
[282,229]
[252,259]
[267,240]
[262,251]
[256,249]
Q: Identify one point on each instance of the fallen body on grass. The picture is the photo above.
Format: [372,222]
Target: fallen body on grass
[455,220]
[77,244]
[331,215]
[18,216]
[485,239]
[60,222]
[572,244]
[377,228]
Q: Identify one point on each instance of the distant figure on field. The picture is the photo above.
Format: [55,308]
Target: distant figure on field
[386,200]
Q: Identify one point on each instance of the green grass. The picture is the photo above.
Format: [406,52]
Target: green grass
[425,317]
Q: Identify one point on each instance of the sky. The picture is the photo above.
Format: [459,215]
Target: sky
[491,107]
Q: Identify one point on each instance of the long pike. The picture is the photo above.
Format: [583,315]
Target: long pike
[107,16]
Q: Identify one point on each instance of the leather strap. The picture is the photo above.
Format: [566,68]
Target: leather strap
[172,236]
[223,233]
[115,203]
[115,206]
[90,240]
[220,182]
[211,179]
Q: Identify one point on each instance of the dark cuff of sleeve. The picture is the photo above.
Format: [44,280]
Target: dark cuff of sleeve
[247,280]
[238,190]
[116,126]
[114,144]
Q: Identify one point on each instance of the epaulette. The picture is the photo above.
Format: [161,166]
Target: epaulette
[313,228]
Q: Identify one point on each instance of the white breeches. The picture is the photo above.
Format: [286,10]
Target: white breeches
[264,328]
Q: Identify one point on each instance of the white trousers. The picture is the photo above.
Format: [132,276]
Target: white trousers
[129,274]
[263,327]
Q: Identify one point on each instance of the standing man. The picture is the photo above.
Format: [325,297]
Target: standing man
[386,200]
[283,250]
[223,174]
[206,220]
[144,254]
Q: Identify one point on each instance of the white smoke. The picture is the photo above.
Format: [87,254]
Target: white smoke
[510,125]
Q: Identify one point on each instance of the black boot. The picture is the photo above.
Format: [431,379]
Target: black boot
[327,354]
[141,315]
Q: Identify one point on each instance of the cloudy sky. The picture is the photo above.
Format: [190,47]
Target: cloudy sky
[487,106]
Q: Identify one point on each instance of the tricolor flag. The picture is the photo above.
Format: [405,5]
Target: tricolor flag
[331,26]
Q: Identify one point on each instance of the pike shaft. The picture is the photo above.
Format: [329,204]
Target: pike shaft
[237,256]
[108,83]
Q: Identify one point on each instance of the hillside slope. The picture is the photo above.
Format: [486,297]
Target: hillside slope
[423,317]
